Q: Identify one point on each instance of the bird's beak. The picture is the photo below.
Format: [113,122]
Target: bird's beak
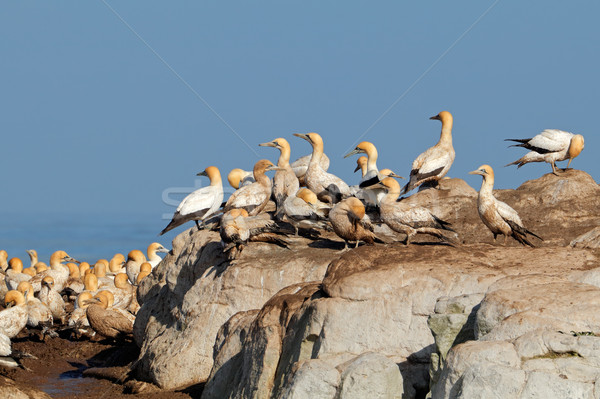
[436,117]
[354,151]
[269,144]
[475,172]
[203,173]
[163,250]
[274,168]
[357,168]
[395,175]
[71,259]
[302,136]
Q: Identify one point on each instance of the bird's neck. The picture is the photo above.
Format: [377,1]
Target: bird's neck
[284,158]
[446,135]
[372,162]
[317,154]
[487,186]
[261,178]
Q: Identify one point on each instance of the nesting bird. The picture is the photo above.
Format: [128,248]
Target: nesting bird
[285,182]
[238,228]
[254,197]
[550,146]
[152,251]
[498,216]
[410,220]
[305,210]
[200,204]
[433,164]
[105,321]
[348,221]
[329,188]
[14,318]
[239,178]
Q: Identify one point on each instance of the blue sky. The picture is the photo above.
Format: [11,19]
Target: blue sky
[93,121]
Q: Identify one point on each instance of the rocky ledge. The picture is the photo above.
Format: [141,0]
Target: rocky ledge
[388,321]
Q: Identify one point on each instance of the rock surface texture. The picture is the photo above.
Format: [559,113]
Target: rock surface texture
[388,321]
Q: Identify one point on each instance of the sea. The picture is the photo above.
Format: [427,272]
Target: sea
[85,236]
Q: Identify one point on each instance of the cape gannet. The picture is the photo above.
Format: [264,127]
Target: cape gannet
[14,274]
[285,182]
[51,297]
[304,210]
[107,322]
[238,178]
[38,313]
[33,256]
[152,251]
[83,268]
[14,318]
[410,220]
[201,203]
[74,282]
[78,320]
[3,260]
[300,165]
[254,197]
[121,290]
[550,146]
[58,272]
[40,267]
[499,217]
[30,271]
[348,222]
[329,188]
[433,164]
[117,264]
[238,228]
[135,259]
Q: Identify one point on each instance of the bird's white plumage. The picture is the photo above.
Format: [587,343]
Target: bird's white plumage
[300,165]
[207,198]
[552,140]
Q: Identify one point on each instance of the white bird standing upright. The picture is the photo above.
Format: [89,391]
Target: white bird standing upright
[38,313]
[329,188]
[53,299]
[200,204]
[238,178]
[499,217]
[58,271]
[14,274]
[255,196]
[433,164]
[285,182]
[371,176]
[135,258]
[550,146]
[300,166]
[152,251]
[410,220]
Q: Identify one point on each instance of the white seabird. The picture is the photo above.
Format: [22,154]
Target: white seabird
[550,146]
[433,164]
[498,216]
[200,204]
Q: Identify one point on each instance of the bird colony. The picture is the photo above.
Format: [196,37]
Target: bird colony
[100,299]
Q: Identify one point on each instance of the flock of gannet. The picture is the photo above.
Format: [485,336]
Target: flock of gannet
[87,300]
[309,198]
[101,299]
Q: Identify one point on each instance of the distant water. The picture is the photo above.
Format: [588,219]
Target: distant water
[86,237]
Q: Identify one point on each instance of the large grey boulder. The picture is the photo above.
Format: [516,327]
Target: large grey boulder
[195,290]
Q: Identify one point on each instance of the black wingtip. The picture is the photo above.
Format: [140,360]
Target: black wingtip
[368,183]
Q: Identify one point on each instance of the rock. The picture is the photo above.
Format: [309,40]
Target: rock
[591,239]
[370,375]
[491,368]
[340,306]
[195,290]
[311,379]
[506,314]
